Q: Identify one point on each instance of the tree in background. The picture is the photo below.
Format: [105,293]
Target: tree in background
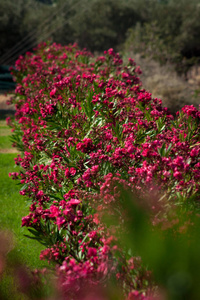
[103,24]
[169,33]
[96,24]
[18,20]
[165,30]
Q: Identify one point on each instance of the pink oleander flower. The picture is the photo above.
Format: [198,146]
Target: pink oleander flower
[92,252]
[73,202]
[52,93]
[54,210]
[178,175]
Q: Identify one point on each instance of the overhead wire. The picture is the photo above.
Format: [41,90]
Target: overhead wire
[31,36]
[19,46]
[48,33]
[7,54]
[64,23]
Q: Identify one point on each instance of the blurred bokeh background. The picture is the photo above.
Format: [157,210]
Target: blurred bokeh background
[163,36]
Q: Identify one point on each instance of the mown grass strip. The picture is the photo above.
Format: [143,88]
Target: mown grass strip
[12,209]
[5,131]
[5,142]
[13,206]
[5,139]
[3,123]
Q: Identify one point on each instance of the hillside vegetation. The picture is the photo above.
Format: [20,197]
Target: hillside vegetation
[162,36]
[167,31]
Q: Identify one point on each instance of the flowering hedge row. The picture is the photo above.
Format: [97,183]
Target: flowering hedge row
[86,128]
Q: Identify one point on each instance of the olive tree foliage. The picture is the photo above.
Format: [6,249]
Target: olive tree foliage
[170,33]
[166,30]
[11,14]
[19,25]
[96,25]
[103,24]
[46,1]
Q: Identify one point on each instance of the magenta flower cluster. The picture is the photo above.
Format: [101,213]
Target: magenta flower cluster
[85,126]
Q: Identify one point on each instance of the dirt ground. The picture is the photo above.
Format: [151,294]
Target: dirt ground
[3,99]
[5,110]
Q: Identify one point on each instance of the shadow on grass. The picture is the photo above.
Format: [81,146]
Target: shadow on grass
[4,113]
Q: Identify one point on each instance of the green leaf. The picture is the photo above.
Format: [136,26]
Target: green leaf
[162,150]
[168,149]
[24,186]
[84,239]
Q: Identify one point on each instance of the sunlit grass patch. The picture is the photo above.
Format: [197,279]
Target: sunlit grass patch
[5,131]
[3,124]
[5,141]
[12,208]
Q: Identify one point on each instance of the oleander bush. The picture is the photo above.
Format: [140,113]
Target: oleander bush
[88,134]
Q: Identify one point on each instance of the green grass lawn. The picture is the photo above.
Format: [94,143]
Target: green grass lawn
[12,208]
[5,142]
[5,133]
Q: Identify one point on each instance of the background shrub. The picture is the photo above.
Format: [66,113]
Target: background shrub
[164,30]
